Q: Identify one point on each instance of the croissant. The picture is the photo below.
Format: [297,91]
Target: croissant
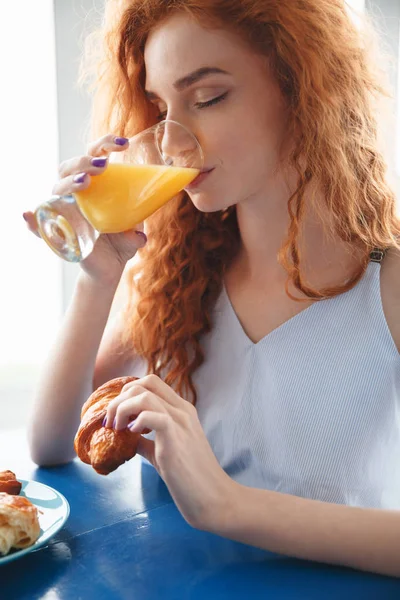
[104,448]
[19,522]
[9,483]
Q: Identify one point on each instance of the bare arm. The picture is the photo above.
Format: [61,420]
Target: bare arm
[361,538]
[67,379]
[68,376]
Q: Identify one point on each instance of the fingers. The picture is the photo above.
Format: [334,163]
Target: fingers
[128,405]
[136,236]
[146,448]
[157,386]
[154,421]
[122,404]
[31,222]
[140,227]
[83,164]
[71,184]
[75,172]
[106,144]
[96,159]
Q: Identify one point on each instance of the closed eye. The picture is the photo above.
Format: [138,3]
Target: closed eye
[201,105]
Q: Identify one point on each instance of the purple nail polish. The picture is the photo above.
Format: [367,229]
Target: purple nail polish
[142,234]
[80,178]
[120,141]
[104,421]
[99,162]
[131,424]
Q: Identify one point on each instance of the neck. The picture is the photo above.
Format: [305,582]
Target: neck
[263,224]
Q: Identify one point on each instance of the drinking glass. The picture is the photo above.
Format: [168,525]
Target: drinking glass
[158,163]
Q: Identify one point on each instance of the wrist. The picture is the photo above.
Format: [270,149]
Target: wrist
[103,284]
[224,509]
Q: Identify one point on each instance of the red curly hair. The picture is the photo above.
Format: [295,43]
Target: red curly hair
[319,60]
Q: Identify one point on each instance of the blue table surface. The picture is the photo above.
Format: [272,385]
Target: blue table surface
[125,539]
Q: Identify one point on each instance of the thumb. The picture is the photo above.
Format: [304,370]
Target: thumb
[136,236]
[145,448]
[31,222]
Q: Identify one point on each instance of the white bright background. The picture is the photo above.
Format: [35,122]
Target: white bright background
[30,275]
[34,284]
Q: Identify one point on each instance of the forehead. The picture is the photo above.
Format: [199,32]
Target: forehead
[180,45]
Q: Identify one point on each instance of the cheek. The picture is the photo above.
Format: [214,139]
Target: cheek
[250,155]
[244,140]
[244,145]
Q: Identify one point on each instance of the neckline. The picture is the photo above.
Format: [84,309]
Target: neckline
[288,322]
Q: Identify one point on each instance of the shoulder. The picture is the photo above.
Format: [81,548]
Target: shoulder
[390,291]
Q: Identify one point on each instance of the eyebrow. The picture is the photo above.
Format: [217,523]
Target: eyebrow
[190,79]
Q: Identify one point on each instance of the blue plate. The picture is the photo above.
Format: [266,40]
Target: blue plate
[53,513]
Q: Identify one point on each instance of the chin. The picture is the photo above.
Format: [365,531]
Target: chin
[205,204]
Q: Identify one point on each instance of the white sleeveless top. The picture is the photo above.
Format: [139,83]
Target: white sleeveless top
[312,409]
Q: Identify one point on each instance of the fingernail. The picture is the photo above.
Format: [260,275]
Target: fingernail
[99,162]
[142,234]
[25,216]
[114,423]
[131,424]
[80,178]
[120,141]
[104,421]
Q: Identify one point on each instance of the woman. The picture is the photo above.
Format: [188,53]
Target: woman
[262,319]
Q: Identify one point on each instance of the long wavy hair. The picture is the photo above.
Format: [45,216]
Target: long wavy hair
[322,66]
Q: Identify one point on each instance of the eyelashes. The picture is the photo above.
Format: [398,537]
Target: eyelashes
[211,102]
[201,105]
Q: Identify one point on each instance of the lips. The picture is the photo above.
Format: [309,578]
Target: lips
[199,179]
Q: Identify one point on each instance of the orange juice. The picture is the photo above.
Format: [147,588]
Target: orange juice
[126,194]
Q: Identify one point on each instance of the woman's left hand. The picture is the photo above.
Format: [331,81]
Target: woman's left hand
[181,453]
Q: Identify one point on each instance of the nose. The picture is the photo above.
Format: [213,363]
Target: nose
[179,147]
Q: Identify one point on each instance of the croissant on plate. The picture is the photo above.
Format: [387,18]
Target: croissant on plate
[19,522]
[9,483]
[104,448]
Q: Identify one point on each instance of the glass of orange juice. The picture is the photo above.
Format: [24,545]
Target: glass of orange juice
[158,163]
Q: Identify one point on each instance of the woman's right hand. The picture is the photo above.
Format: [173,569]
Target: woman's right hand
[111,251]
